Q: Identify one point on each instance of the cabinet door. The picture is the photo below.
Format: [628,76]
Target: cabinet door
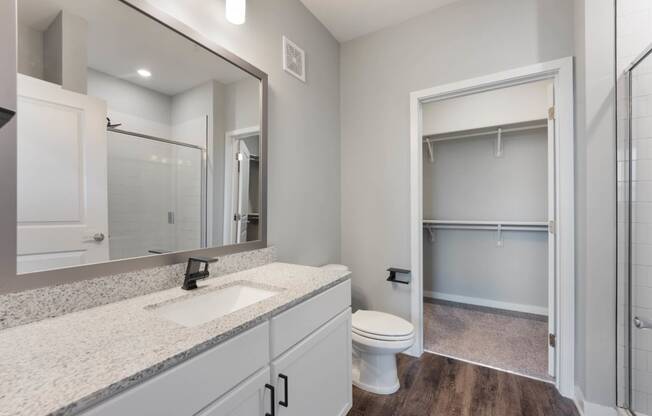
[250,398]
[314,377]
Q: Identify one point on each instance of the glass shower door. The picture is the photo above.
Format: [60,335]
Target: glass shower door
[635,238]
[155,196]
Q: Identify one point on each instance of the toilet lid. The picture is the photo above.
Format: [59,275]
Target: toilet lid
[381,337]
[380,324]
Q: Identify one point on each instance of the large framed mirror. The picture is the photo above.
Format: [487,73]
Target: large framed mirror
[139,143]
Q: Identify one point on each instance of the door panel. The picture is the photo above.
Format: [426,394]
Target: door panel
[640,240]
[62,180]
[50,165]
[318,372]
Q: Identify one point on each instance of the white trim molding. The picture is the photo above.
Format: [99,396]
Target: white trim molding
[561,73]
[229,139]
[488,303]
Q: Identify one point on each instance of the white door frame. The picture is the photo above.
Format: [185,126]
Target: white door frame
[230,137]
[561,73]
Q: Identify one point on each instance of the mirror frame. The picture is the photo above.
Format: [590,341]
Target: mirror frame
[12,282]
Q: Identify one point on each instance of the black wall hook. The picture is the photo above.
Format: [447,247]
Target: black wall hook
[393,271]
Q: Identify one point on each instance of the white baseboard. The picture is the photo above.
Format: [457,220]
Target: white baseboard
[536,310]
[585,408]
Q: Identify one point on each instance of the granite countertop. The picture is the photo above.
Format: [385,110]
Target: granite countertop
[63,365]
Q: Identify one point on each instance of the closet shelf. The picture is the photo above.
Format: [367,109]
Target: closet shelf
[498,226]
[507,128]
[516,224]
[498,131]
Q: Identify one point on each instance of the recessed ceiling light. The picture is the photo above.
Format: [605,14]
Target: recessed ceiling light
[144,73]
[236,11]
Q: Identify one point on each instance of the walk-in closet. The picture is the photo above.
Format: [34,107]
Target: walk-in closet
[488,215]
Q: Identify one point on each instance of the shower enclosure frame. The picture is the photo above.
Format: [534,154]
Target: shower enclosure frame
[203,214]
[624,363]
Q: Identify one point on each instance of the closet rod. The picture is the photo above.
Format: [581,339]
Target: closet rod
[485,227]
[434,138]
[504,223]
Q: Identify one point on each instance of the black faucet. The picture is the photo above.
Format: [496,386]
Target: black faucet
[194,271]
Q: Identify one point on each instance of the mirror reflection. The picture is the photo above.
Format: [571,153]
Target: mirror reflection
[132,140]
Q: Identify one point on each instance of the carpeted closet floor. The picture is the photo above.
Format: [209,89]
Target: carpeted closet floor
[505,340]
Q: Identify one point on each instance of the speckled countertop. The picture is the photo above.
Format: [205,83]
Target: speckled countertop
[62,365]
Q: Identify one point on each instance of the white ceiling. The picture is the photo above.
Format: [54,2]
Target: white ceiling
[348,19]
[121,40]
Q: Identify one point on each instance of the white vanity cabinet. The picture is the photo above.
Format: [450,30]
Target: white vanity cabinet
[302,355]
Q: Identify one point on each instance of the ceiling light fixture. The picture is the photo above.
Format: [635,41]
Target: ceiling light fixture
[144,73]
[236,11]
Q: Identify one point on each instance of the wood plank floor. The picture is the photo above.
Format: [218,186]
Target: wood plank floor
[438,386]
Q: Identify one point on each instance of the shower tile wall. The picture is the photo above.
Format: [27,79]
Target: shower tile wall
[633,36]
[187,203]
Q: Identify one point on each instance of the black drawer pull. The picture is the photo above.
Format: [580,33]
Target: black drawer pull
[284,403]
[272,400]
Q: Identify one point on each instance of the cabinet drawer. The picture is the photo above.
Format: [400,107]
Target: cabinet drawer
[190,386]
[295,324]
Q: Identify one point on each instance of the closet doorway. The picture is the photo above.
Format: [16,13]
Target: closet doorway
[492,221]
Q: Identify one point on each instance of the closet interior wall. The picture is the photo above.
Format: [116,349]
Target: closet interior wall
[467,180]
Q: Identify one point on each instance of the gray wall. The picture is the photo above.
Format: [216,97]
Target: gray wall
[596,200]
[241,104]
[304,120]
[468,264]
[131,99]
[467,182]
[30,51]
[378,72]
[65,52]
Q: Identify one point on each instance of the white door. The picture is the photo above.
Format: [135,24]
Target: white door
[250,398]
[62,178]
[314,377]
[242,216]
[552,234]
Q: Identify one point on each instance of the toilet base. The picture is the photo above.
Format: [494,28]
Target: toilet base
[375,389]
[375,373]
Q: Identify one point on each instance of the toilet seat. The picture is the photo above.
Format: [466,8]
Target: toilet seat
[381,326]
[382,337]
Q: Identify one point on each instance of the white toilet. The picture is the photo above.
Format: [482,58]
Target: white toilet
[377,338]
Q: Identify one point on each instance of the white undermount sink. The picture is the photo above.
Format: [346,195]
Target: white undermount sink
[197,310]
